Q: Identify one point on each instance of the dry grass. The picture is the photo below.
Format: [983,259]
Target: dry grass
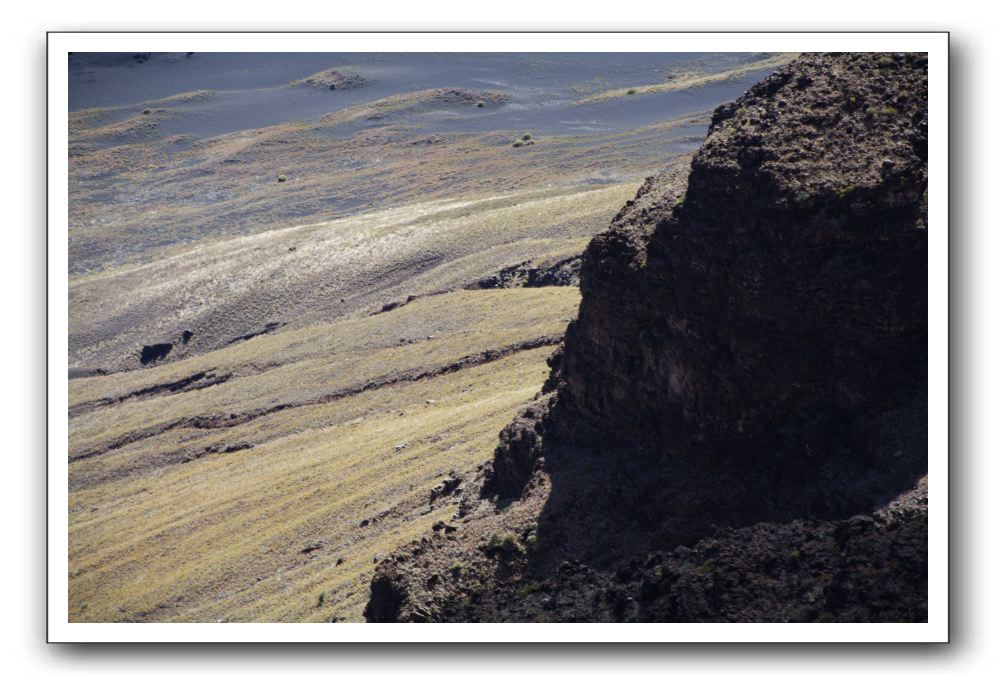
[139,194]
[314,273]
[690,80]
[220,537]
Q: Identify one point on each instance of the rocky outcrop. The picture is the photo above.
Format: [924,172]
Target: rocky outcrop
[153,353]
[790,278]
[744,387]
[564,272]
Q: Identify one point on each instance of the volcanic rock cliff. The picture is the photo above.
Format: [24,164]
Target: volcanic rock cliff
[735,427]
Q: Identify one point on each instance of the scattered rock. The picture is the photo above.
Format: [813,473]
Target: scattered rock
[152,353]
[313,546]
[268,328]
[564,272]
[752,326]
[447,487]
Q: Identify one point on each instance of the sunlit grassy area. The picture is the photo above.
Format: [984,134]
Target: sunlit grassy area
[142,192]
[162,530]
[691,79]
[315,273]
[297,259]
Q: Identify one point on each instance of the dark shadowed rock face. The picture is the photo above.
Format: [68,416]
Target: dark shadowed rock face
[735,427]
[790,280]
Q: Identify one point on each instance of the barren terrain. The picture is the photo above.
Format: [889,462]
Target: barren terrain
[307,291]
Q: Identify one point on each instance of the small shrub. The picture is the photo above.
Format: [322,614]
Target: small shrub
[480,104]
[529,589]
[630,92]
[886,110]
[517,144]
[707,567]
[281,178]
[526,137]
[794,555]
[321,598]
[456,567]
[509,544]
[504,542]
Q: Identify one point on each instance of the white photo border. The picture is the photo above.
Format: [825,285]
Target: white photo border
[935,44]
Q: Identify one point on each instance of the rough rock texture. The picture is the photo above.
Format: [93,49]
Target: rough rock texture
[565,272]
[735,428]
[790,280]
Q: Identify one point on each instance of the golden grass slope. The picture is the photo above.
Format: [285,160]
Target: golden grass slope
[141,191]
[314,273]
[691,79]
[213,522]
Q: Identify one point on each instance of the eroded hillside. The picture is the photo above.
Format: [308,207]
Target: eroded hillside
[249,483]
[305,297]
[735,428]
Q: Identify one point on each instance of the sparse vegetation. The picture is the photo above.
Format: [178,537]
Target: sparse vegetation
[532,542]
[707,567]
[691,79]
[318,463]
[526,139]
[506,542]
[200,484]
